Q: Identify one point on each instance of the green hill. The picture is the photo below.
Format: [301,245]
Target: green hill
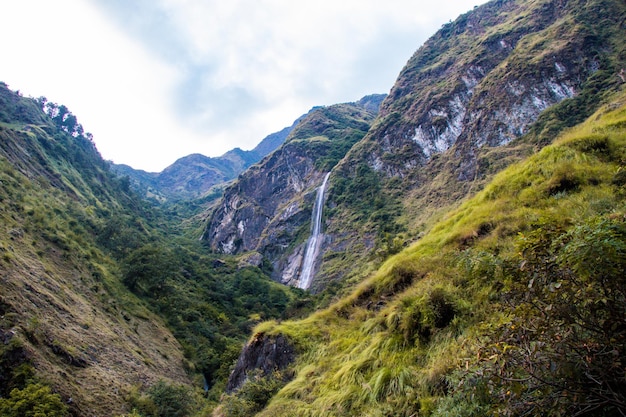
[102,299]
[512,304]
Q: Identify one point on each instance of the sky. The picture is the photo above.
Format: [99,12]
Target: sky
[156,80]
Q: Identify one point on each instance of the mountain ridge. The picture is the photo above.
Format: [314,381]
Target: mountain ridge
[268,208]
[193,176]
[456,115]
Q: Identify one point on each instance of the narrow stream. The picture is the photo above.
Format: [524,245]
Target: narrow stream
[313,244]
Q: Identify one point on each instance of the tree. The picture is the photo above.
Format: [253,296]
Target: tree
[148,268]
[166,400]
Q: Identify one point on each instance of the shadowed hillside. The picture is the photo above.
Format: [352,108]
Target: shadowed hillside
[104,307]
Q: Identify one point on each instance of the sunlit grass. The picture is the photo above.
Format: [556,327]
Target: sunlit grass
[386,344]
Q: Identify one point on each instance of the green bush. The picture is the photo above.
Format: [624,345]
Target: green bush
[253,395]
[562,350]
[166,400]
[36,400]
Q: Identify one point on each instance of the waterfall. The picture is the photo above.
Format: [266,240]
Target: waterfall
[313,244]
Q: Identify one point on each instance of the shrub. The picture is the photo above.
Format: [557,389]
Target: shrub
[166,400]
[564,347]
[36,400]
[253,395]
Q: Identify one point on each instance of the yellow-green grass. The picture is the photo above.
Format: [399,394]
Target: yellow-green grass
[379,349]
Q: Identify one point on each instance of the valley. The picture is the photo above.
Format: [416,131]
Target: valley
[456,247]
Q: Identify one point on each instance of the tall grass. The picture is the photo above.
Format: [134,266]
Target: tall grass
[397,344]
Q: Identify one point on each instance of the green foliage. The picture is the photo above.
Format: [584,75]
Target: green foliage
[166,400]
[147,270]
[211,305]
[253,396]
[62,206]
[326,134]
[373,204]
[16,371]
[561,352]
[35,400]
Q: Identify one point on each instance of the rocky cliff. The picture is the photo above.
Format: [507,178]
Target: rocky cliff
[459,110]
[263,353]
[484,78]
[268,209]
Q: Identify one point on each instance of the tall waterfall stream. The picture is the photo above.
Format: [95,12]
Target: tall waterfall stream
[313,244]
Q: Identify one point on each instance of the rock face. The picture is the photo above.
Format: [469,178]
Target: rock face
[453,118]
[262,353]
[268,209]
[472,90]
[484,78]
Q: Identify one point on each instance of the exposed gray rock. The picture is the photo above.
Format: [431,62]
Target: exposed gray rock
[268,209]
[262,353]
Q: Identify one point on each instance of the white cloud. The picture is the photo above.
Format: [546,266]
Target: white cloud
[155,80]
[66,51]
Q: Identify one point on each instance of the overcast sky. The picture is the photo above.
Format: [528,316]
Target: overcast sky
[155,80]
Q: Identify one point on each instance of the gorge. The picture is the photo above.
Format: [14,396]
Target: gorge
[454,248]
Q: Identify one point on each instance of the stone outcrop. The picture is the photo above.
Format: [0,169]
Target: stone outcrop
[481,81]
[262,353]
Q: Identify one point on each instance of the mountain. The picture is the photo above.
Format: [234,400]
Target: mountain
[194,175]
[268,209]
[486,90]
[477,233]
[471,259]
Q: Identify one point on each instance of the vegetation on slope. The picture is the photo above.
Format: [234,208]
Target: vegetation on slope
[330,132]
[67,320]
[513,304]
[85,265]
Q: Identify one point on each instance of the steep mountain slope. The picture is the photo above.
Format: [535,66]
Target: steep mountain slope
[66,319]
[456,115]
[512,304]
[91,275]
[194,175]
[268,209]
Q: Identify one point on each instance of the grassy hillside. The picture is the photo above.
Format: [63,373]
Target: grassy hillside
[105,304]
[512,304]
[67,320]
